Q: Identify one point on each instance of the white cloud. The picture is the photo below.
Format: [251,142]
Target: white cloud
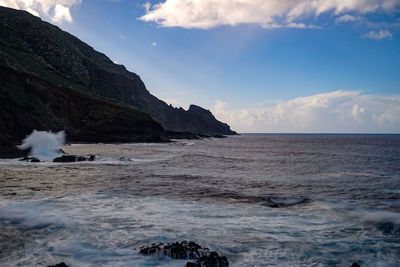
[269,14]
[147,6]
[61,13]
[334,112]
[348,18]
[57,11]
[154,44]
[382,34]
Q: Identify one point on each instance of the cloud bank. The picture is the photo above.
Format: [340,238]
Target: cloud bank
[382,34]
[206,14]
[334,112]
[58,11]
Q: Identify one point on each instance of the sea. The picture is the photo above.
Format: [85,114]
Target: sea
[258,199]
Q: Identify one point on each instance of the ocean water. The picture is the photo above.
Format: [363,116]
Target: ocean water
[260,200]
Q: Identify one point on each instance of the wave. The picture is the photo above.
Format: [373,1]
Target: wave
[32,215]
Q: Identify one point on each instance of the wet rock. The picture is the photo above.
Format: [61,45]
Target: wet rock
[34,188]
[212,260]
[183,250]
[279,202]
[62,264]
[355,264]
[204,136]
[74,158]
[187,250]
[66,158]
[125,159]
[181,135]
[219,136]
[30,159]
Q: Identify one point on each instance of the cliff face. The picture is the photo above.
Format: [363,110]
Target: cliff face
[35,48]
[28,102]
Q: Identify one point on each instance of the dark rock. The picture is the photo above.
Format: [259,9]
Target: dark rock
[204,136]
[355,264]
[73,158]
[62,264]
[187,250]
[34,188]
[66,158]
[183,250]
[30,159]
[212,260]
[181,135]
[9,150]
[219,136]
[125,159]
[279,202]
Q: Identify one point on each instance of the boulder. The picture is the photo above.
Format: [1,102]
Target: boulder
[74,158]
[212,260]
[62,264]
[183,250]
[30,159]
[187,250]
[219,136]
[279,202]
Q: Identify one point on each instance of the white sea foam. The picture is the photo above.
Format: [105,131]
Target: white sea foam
[44,145]
[32,215]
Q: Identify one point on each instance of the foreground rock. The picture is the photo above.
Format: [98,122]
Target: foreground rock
[187,250]
[62,264]
[73,158]
[183,250]
[279,202]
[209,261]
[30,159]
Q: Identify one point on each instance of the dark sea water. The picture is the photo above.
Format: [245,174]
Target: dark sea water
[260,200]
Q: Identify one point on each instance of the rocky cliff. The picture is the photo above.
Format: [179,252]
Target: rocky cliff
[58,77]
[28,102]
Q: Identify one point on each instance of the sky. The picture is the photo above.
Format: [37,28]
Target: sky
[294,66]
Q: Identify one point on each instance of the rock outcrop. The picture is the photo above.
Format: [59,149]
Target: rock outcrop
[73,158]
[62,264]
[202,257]
[211,260]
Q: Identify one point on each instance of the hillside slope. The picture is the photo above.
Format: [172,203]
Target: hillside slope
[29,45]
[28,102]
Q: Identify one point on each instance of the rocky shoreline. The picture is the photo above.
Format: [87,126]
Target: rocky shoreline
[10,150]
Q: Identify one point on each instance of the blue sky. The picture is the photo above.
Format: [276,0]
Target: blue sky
[284,66]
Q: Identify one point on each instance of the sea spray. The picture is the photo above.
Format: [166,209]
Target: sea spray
[44,145]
